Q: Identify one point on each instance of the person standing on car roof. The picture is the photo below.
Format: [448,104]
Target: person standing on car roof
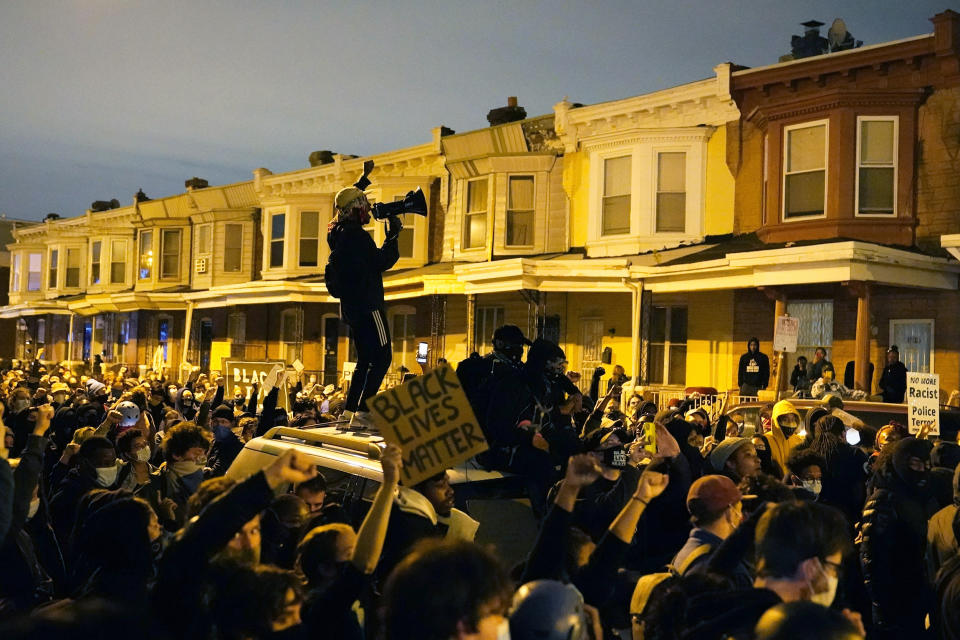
[893,380]
[753,372]
[354,274]
[479,375]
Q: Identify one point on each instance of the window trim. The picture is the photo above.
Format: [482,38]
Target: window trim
[467,214]
[532,211]
[933,334]
[16,271]
[282,240]
[163,253]
[39,272]
[150,254]
[655,190]
[300,238]
[67,267]
[896,166]
[126,252]
[783,168]
[197,230]
[615,154]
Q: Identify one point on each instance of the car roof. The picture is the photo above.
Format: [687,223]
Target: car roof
[809,403]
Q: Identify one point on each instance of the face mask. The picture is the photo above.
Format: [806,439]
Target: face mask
[106,476]
[187,467]
[825,598]
[143,455]
[222,432]
[34,507]
[813,486]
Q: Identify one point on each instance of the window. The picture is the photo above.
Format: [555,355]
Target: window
[34,261]
[475,215]
[237,333]
[805,171]
[876,166]
[204,239]
[520,196]
[667,358]
[146,255]
[671,192]
[118,261]
[309,238]
[816,329]
[404,329]
[278,223]
[291,334]
[914,337]
[52,268]
[232,247]
[73,268]
[488,319]
[615,214]
[95,248]
[170,254]
[15,273]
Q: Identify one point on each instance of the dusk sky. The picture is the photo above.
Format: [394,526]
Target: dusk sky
[103,97]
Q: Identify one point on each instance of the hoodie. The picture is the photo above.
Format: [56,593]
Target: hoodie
[188,411]
[780,444]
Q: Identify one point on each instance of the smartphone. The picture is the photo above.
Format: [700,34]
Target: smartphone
[422,349]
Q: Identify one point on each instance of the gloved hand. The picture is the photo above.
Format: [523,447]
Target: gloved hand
[394,226]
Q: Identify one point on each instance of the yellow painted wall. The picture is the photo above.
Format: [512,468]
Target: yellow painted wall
[718,199]
[710,350]
[218,351]
[576,183]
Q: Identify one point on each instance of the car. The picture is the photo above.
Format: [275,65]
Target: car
[349,461]
[873,414]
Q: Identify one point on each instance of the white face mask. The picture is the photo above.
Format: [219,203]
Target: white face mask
[143,455]
[34,507]
[106,476]
[813,486]
[825,598]
[186,467]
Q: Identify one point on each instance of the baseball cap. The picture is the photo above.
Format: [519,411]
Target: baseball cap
[893,349]
[723,451]
[512,334]
[712,494]
[345,196]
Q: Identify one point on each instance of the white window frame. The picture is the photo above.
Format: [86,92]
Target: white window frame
[66,268]
[39,271]
[896,165]
[227,234]
[125,263]
[198,232]
[98,262]
[163,253]
[933,335]
[783,168]
[655,190]
[282,239]
[667,344]
[616,155]
[532,211]
[301,238]
[467,215]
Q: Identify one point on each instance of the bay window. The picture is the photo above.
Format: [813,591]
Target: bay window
[73,268]
[278,222]
[520,199]
[876,165]
[309,238]
[232,247]
[671,192]
[170,254]
[805,170]
[615,212]
[95,251]
[475,215]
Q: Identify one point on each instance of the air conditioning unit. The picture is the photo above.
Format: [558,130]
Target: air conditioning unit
[200,265]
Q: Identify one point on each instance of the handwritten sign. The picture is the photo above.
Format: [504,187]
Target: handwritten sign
[923,402]
[430,418]
[244,374]
[785,334]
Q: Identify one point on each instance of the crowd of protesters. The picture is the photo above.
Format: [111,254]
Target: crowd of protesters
[118,517]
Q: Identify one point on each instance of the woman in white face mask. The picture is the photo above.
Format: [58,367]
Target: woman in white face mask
[135,451]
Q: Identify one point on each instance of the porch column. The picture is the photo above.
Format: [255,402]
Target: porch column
[186,338]
[471,318]
[779,309]
[861,362]
[636,319]
[70,338]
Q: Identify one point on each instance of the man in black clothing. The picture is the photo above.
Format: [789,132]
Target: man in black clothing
[893,380]
[820,364]
[479,375]
[753,372]
[354,274]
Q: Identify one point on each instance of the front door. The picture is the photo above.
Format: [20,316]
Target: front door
[87,339]
[206,341]
[331,341]
[914,338]
[591,337]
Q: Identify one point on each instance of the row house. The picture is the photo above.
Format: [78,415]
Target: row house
[658,232]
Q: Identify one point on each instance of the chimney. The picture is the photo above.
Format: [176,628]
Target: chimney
[319,158]
[104,205]
[509,113]
[51,216]
[196,183]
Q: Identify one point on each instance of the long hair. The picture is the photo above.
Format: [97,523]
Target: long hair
[828,437]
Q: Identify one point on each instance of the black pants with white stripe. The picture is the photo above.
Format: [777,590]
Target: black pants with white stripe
[374,353]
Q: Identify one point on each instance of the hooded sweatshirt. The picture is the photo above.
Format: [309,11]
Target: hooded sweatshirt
[780,444]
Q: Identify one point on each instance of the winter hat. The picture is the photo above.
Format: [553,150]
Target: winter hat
[908,448]
[223,411]
[723,451]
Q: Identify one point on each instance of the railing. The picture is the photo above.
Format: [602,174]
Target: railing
[663,397]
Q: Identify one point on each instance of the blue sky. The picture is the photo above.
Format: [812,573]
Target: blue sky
[102,97]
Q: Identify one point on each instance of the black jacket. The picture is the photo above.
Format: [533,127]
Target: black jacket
[893,382]
[360,265]
[753,370]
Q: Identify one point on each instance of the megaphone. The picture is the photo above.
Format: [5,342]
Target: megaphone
[413,202]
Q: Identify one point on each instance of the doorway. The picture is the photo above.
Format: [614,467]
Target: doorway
[331,351]
[206,341]
[914,338]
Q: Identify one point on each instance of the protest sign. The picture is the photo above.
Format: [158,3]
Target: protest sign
[923,402]
[785,334]
[431,420]
[245,374]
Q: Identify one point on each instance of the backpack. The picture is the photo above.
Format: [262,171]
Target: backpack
[332,277]
[647,583]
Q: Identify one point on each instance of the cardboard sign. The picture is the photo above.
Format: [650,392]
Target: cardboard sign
[785,334]
[430,418]
[244,374]
[923,402]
